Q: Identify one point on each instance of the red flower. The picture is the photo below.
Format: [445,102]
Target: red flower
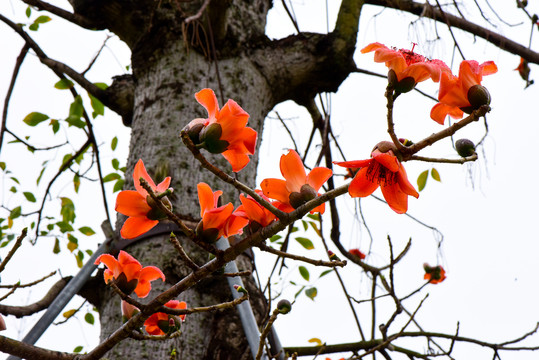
[455,95]
[434,275]
[357,253]
[217,221]
[384,170]
[250,209]
[298,188]
[161,323]
[128,274]
[135,204]
[407,64]
[224,131]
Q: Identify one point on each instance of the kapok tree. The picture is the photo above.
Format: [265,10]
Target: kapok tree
[196,205]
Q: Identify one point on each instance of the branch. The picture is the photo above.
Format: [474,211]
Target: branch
[26,351]
[451,20]
[17,245]
[66,15]
[271,250]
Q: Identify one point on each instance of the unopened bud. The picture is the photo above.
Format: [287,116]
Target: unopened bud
[465,147]
[305,194]
[210,136]
[194,133]
[207,235]
[478,96]
[284,306]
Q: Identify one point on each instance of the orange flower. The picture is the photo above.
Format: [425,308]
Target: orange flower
[224,131]
[216,221]
[407,64]
[128,274]
[384,170]
[357,253]
[434,275]
[462,93]
[250,209]
[298,188]
[161,323]
[142,217]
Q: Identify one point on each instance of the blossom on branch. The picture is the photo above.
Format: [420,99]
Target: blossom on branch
[357,253]
[138,204]
[257,215]
[128,274]
[223,131]
[463,93]
[217,220]
[298,187]
[434,274]
[408,67]
[161,323]
[385,170]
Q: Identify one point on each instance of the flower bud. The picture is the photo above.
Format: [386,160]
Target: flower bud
[128,310]
[284,306]
[465,147]
[194,133]
[305,194]
[478,96]
[210,137]
[405,85]
[127,287]
[207,235]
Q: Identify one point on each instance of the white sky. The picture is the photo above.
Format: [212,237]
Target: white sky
[484,210]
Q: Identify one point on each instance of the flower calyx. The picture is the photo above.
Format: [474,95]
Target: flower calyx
[465,147]
[306,194]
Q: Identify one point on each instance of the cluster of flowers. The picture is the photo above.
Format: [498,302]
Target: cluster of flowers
[457,94]
[224,132]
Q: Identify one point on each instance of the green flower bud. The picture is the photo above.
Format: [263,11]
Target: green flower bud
[284,306]
[465,147]
[478,96]
[210,138]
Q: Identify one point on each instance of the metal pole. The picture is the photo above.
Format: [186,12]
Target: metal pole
[250,327]
[63,298]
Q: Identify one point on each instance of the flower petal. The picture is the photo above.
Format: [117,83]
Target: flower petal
[293,171]
[235,225]
[440,111]
[140,172]
[217,218]
[146,275]
[404,183]
[361,186]
[238,160]
[207,98]
[163,185]
[275,189]
[136,226]
[354,163]
[318,176]
[387,160]
[395,197]
[232,119]
[131,203]
[206,198]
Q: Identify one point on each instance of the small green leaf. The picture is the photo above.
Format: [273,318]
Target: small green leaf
[64,226]
[306,243]
[422,180]
[55,125]
[15,180]
[33,27]
[86,230]
[299,291]
[78,349]
[111,177]
[118,185]
[68,210]
[2,165]
[114,143]
[274,238]
[76,182]
[304,223]
[76,110]
[29,196]
[40,175]
[324,273]
[42,19]
[64,84]
[35,118]
[56,248]
[435,175]
[304,272]
[15,213]
[99,108]
[311,293]
[28,11]
[115,164]
[13,189]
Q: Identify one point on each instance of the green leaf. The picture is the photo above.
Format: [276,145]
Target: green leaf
[324,273]
[64,84]
[422,180]
[274,238]
[99,108]
[2,165]
[299,291]
[78,349]
[114,143]
[118,185]
[35,118]
[68,210]
[55,125]
[305,226]
[13,189]
[40,175]
[76,182]
[15,180]
[42,19]
[311,293]
[64,226]
[86,230]
[315,217]
[304,272]
[56,248]
[15,213]
[29,196]
[115,164]
[435,175]
[76,110]
[89,318]
[28,11]
[111,177]
[306,243]
[33,27]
